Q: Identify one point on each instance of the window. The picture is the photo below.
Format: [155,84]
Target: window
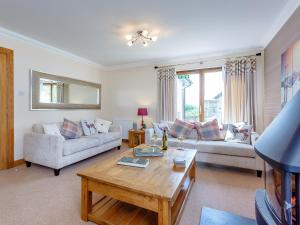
[200,94]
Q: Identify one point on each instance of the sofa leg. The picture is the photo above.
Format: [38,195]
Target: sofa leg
[56,172]
[119,147]
[28,164]
[258,173]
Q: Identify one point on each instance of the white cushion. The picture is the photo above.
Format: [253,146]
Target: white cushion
[51,129]
[102,126]
[88,127]
[239,133]
[159,127]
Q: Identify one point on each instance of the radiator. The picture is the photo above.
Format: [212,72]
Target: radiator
[126,126]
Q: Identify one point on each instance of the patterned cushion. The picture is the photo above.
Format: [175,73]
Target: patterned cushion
[70,129]
[102,125]
[160,127]
[209,131]
[181,128]
[239,133]
[88,127]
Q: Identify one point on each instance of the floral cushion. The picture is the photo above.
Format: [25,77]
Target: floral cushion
[181,128]
[239,133]
[88,127]
[102,125]
[160,127]
[70,129]
[209,131]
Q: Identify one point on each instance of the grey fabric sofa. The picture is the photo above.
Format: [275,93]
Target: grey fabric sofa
[217,152]
[55,152]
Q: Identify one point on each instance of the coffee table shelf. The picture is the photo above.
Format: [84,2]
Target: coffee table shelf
[113,212]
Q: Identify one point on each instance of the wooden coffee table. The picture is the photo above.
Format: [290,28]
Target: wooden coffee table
[136,196]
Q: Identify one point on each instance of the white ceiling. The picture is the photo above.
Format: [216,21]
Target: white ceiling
[95,29]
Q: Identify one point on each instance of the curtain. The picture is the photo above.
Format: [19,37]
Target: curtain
[166,94]
[239,91]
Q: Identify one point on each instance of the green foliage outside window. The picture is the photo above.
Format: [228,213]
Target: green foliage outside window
[191,112]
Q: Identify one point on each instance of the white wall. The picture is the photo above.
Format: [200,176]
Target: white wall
[28,56]
[130,89]
[135,87]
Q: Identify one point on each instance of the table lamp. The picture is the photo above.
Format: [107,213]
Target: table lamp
[142,112]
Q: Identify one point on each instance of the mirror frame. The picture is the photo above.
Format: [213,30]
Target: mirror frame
[35,103]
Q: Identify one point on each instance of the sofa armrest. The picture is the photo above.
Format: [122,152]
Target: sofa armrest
[115,128]
[44,149]
[254,137]
[148,135]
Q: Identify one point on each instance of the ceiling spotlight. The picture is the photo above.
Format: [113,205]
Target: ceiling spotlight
[154,38]
[145,44]
[142,36]
[145,32]
[130,43]
[128,37]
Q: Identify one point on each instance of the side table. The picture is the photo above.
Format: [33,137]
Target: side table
[135,138]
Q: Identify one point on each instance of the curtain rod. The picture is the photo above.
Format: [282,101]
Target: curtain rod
[201,62]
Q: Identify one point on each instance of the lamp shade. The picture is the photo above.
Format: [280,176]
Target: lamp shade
[142,112]
[279,144]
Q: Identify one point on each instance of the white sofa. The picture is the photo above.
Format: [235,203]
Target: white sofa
[55,152]
[218,152]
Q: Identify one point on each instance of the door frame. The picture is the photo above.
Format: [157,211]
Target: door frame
[10,107]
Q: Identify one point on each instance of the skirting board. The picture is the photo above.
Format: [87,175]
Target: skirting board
[18,162]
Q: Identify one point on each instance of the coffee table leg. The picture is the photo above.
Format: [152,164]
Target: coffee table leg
[164,213]
[86,199]
[193,170]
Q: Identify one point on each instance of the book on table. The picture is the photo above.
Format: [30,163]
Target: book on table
[136,162]
[148,151]
[179,162]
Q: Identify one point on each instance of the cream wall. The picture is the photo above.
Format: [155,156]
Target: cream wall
[28,56]
[130,89]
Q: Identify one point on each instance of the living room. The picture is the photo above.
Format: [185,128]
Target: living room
[85,83]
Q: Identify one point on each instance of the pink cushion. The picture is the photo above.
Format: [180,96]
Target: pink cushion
[181,128]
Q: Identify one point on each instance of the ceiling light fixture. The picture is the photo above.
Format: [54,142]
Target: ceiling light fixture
[142,36]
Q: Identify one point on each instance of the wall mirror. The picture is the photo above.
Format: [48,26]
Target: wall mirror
[57,92]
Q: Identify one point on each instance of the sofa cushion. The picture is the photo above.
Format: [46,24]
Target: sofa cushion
[52,129]
[193,135]
[209,131]
[107,137]
[181,128]
[102,125]
[38,127]
[225,148]
[239,133]
[70,129]
[159,128]
[88,127]
[72,146]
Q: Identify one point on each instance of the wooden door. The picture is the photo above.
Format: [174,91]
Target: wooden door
[6,109]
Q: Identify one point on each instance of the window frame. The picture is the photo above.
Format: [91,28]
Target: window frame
[201,73]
